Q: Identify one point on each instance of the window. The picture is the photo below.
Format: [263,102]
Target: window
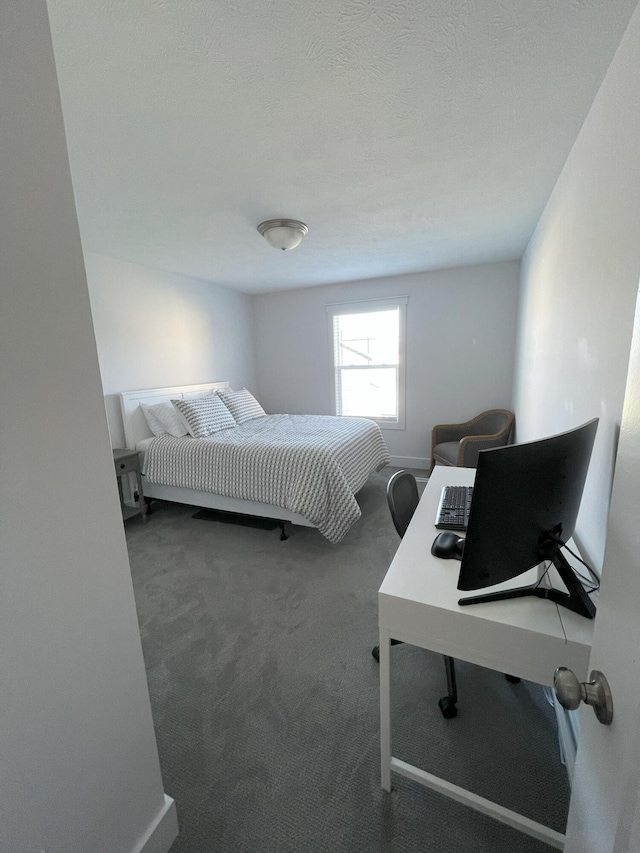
[367,343]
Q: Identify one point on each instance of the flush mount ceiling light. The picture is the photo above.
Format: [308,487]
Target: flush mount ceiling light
[283,233]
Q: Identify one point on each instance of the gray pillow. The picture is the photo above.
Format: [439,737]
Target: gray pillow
[242,405]
[205,416]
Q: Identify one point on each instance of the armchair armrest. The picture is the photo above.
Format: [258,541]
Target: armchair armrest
[471,446]
[450,432]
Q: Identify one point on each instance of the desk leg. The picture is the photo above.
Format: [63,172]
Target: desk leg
[385,710]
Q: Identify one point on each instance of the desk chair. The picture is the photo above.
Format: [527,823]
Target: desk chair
[403,497]
[459,444]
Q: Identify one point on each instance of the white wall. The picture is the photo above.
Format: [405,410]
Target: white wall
[153,329]
[462,319]
[78,758]
[579,281]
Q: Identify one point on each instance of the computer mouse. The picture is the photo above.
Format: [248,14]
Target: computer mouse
[448,545]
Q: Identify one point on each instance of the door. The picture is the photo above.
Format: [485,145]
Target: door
[604,816]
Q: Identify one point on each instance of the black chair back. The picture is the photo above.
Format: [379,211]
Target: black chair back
[402,495]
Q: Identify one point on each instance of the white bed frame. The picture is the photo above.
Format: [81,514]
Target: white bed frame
[136,429]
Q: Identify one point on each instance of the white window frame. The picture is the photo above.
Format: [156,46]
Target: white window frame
[372,306]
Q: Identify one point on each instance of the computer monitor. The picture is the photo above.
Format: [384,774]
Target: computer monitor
[525,504]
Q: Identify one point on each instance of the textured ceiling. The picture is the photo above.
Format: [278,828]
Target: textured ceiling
[407,134]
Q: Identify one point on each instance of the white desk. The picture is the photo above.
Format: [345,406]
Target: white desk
[527,637]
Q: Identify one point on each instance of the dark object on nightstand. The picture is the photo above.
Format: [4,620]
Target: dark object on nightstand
[128,462]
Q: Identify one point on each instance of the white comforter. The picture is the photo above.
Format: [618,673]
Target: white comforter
[311,464]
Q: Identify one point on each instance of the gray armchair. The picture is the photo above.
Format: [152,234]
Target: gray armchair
[459,444]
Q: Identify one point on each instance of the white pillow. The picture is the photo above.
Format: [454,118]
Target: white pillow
[205,416]
[164,418]
[242,405]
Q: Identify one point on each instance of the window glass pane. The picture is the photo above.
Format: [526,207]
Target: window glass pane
[367,339]
[366,360]
[368,393]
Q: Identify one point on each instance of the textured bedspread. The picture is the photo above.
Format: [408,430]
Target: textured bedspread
[310,464]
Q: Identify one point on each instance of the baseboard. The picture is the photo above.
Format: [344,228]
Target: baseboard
[410,462]
[163,830]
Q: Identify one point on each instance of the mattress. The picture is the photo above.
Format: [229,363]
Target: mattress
[310,464]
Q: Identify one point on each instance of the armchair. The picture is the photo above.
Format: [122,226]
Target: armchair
[459,444]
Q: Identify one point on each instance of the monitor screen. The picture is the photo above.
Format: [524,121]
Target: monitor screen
[525,503]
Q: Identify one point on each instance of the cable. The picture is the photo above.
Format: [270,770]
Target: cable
[591,584]
[586,583]
[594,577]
[543,575]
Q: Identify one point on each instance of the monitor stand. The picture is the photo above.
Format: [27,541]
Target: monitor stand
[575,599]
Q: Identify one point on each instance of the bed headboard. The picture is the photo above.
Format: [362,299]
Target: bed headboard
[133,419]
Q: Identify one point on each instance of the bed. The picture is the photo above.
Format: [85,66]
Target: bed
[305,469]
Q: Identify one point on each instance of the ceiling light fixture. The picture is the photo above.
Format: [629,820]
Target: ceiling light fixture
[283,233]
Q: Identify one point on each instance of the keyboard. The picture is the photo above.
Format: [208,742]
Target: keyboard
[454,506]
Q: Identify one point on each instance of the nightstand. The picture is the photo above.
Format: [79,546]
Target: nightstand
[128,462]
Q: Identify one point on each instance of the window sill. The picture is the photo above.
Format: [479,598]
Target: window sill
[382,424]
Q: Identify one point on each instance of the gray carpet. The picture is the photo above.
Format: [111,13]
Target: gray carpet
[265,699]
